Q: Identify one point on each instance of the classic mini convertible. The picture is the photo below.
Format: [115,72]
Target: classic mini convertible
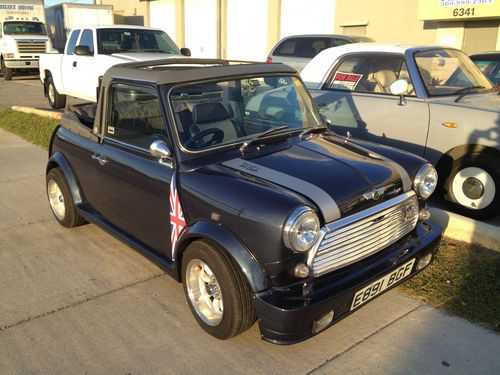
[232,183]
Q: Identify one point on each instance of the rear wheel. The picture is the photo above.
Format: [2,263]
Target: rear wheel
[7,72]
[217,293]
[56,100]
[61,200]
[473,186]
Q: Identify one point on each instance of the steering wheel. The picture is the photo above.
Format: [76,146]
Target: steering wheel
[198,141]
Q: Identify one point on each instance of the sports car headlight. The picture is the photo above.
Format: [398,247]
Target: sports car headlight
[301,229]
[425,181]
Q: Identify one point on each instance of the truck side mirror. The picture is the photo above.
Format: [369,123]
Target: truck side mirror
[185,51]
[83,51]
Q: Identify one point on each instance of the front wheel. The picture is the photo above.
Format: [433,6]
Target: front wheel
[56,100]
[7,72]
[473,186]
[217,293]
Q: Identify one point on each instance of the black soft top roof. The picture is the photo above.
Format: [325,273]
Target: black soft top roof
[178,70]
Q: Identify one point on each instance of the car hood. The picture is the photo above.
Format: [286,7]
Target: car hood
[332,174]
[487,101]
[142,56]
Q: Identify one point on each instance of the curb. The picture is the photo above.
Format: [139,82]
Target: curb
[467,230]
[40,112]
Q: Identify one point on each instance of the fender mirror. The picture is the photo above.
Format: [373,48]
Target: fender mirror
[185,52]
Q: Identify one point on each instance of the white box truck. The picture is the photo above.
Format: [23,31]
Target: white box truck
[62,18]
[23,36]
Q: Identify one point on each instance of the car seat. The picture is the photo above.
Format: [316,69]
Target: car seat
[209,115]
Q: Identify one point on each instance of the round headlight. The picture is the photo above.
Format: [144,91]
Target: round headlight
[301,229]
[425,181]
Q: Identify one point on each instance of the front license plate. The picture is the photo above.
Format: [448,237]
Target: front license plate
[374,289]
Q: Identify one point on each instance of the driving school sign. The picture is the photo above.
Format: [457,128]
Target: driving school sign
[457,9]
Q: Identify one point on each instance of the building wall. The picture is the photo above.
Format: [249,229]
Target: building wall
[128,8]
[386,20]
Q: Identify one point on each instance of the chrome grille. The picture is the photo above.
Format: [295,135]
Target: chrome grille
[358,236]
[31,47]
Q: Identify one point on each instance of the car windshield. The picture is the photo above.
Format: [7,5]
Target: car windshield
[490,68]
[449,72]
[230,112]
[134,40]
[24,28]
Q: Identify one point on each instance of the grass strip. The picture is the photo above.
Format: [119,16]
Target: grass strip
[463,280]
[33,128]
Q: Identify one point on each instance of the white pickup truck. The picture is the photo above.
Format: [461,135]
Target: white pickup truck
[90,51]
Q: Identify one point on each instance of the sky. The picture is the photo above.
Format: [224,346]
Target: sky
[48,3]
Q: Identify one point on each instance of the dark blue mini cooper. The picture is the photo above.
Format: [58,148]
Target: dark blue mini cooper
[225,174]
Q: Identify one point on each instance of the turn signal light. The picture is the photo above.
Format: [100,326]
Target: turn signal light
[301,271]
[323,322]
[269,60]
[424,261]
[451,125]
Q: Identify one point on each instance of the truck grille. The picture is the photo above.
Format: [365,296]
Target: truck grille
[31,47]
[358,236]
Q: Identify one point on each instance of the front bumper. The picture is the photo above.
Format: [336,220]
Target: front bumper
[287,314]
[22,64]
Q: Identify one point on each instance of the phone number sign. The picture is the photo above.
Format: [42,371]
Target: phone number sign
[457,9]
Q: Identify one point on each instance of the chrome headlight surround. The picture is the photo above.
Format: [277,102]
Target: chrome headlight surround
[302,229]
[425,181]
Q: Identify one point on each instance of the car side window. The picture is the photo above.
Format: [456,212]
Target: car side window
[87,39]
[135,116]
[371,73]
[302,47]
[339,42]
[70,49]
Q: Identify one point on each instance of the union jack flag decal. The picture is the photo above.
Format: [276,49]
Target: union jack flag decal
[177,221]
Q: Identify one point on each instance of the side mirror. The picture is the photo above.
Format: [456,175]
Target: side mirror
[160,150]
[399,87]
[185,52]
[83,51]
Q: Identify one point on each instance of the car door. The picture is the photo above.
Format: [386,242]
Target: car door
[69,79]
[84,68]
[131,187]
[356,98]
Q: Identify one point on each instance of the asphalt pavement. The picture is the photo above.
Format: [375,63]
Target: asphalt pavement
[79,301]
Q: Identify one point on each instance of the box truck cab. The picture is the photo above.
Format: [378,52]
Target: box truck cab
[23,36]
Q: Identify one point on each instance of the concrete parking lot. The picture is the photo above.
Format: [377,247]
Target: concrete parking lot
[79,301]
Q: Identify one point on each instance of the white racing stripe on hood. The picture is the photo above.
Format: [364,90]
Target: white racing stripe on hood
[321,198]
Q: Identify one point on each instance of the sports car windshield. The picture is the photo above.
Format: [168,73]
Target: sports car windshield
[231,112]
[449,72]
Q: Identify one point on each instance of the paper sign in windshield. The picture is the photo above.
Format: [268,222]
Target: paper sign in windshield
[346,81]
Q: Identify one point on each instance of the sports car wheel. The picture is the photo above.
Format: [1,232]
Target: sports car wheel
[217,292]
[473,186]
[61,201]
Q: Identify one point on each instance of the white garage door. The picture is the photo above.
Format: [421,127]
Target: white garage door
[200,25]
[307,17]
[162,16]
[247,30]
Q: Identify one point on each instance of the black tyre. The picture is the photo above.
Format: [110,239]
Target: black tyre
[473,186]
[55,99]
[7,72]
[216,290]
[61,200]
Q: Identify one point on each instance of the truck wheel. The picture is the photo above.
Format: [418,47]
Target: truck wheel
[217,293]
[61,200]
[473,186]
[55,99]
[7,72]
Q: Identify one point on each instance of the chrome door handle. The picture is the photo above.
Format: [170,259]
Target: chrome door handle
[101,159]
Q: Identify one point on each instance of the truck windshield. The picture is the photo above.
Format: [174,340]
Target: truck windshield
[229,112]
[134,40]
[449,72]
[24,28]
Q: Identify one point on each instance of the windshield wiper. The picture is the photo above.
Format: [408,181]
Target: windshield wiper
[307,131]
[465,91]
[245,145]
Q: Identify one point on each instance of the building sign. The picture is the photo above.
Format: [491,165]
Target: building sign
[457,9]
